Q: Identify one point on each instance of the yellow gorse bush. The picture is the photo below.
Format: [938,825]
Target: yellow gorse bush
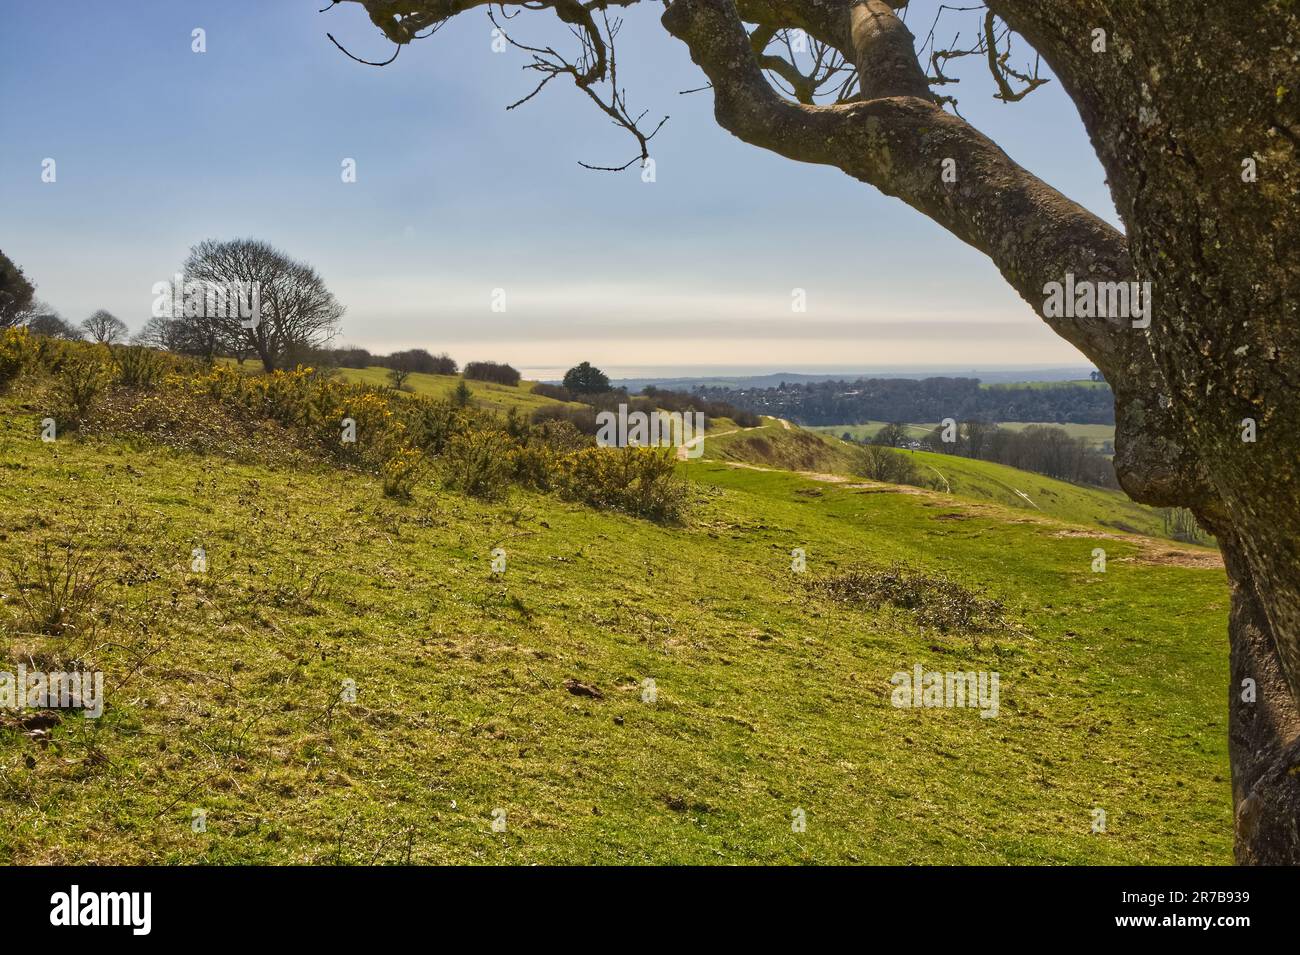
[379,431]
[15,354]
[639,481]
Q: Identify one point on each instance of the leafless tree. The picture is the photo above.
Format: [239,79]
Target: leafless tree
[105,327]
[33,310]
[161,333]
[1193,111]
[296,312]
[53,325]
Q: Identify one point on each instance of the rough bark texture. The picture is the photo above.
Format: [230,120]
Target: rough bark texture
[1185,93]
[1182,94]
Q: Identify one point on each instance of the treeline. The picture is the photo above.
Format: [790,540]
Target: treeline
[712,408]
[608,399]
[927,399]
[417,360]
[1042,449]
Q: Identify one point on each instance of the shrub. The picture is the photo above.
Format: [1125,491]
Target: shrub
[492,371]
[419,360]
[379,434]
[479,462]
[885,464]
[80,383]
[192,421]
[581,419]
[431,424]
[934,600]
[138,367]
[344,357]
[534,464]
[15,354]
[557,392]
[562,436]
[638,481]
[399,473]
[55,594]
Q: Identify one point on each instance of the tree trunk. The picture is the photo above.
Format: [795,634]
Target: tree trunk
[1185,104]
[1263,728]
[263,349]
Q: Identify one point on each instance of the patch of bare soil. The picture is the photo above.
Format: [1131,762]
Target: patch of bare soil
[1165,553]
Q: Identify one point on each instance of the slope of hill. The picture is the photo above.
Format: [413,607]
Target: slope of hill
[521,698]
[809,450]
[485,393]
[1096,435]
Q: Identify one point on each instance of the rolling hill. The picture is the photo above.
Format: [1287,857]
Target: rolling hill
[522,696]
[811,450]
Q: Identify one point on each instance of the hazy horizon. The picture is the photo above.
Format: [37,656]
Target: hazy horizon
[637,372]
[158,147]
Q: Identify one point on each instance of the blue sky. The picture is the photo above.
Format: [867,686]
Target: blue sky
[158,147]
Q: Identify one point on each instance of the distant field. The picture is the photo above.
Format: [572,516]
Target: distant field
[1077,383]
[867,430]
[797,449]
[1095,434]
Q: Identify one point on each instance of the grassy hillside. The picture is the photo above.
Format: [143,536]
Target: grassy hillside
[985,480]
[486,394]
[224,687]
[779,445]
[810,450]
[1095,434]
[866,430]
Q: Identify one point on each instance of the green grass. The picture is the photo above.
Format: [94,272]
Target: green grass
[485,393]
[1095,434]
[866,430]
[224,686]
[815,450]
[984,480]
[1073,383]
[774,445]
